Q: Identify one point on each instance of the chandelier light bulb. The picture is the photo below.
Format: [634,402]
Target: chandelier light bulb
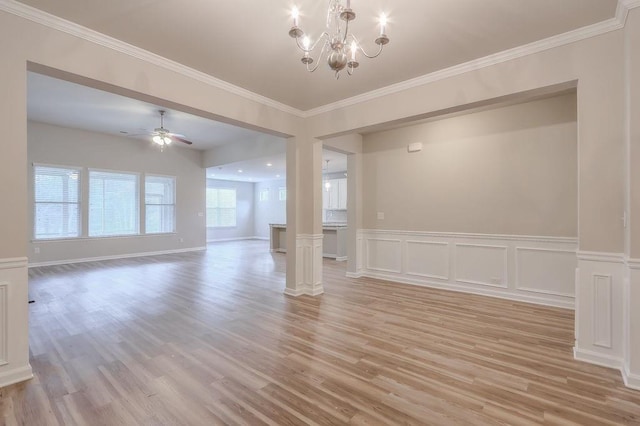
[306,43]
[383,23]
[354,48]
[295,13]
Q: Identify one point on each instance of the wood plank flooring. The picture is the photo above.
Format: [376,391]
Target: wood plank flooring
[209,338]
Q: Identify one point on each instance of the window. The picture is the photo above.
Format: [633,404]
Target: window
[56,202]
[282,193]
[264,194]
[160,204]
[113,203]
[221,207]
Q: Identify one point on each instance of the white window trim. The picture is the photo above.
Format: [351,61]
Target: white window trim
[34,203]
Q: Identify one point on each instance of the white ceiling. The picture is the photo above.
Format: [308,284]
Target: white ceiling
[67,104]
[246,42]
[258,170]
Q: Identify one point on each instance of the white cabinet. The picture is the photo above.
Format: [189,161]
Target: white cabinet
[335,197]
[342,194]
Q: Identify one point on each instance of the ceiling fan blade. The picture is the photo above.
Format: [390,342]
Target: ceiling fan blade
[182,140]
[133,135]
[177,135]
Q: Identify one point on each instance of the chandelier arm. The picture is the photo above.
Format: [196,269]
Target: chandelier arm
[322,52]
[380,47]
[324,36]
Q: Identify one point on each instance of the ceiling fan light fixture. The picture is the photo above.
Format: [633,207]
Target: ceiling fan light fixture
[162,139]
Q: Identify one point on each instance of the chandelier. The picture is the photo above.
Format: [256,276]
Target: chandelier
[338,45]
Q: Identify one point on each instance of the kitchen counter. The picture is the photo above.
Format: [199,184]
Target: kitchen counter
[334,243]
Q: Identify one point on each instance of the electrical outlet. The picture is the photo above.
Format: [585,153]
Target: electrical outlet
[181,240]
[496,280]
[380,215]
[36,250]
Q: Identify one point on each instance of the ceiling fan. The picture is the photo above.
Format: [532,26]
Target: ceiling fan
[164,137]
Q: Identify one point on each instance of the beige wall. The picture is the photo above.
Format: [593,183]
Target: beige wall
[55,145]
[511,170]
[595,63]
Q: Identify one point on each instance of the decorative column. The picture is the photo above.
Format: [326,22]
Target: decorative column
[304,216]
[14,314]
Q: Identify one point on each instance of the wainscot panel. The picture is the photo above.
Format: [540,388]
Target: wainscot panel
[533,269]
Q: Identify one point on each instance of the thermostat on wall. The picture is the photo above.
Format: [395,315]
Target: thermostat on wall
[415,147]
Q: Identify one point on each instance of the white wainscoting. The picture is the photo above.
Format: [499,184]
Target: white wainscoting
[4,322]
[14,318]
[600,320]
[526,268]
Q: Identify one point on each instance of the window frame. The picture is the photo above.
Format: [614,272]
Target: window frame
[137,203]
[235,208]
[145,204]
[79,203]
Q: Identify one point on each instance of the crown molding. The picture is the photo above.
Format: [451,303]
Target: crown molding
[54,22]
[40,17]
[573,36]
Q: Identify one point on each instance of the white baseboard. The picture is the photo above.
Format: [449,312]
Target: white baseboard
[293,293]
[598,358]
[115,257]
[354,274]
[336,257]
[224,240]
[260,238]
[15,376]
[469,289]
[630,380]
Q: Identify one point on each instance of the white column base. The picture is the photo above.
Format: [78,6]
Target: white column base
[355,269]
[17,375]
[308,266]
[14,322]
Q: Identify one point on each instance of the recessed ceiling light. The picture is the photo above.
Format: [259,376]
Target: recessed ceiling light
[269,164]
[239,170]
[277,175]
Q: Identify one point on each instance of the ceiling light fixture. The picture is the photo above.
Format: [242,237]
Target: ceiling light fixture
[269,164]
[327,184]
[338,45]
[162,135]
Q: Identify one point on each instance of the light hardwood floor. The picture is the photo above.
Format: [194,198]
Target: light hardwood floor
[209,338]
